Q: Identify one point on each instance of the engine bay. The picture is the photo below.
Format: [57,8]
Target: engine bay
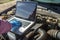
[45,27]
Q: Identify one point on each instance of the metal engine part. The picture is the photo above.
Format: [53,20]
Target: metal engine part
[38,34]
[54,33]
[47,19]
[4,17]
[49,22]
[11,36]
[52,21]
[42,34]
[2,38]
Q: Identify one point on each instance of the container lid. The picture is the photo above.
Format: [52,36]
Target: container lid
[4,27]
[25,9]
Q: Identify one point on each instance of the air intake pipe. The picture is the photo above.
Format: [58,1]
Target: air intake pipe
[54,33]
[38,34]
